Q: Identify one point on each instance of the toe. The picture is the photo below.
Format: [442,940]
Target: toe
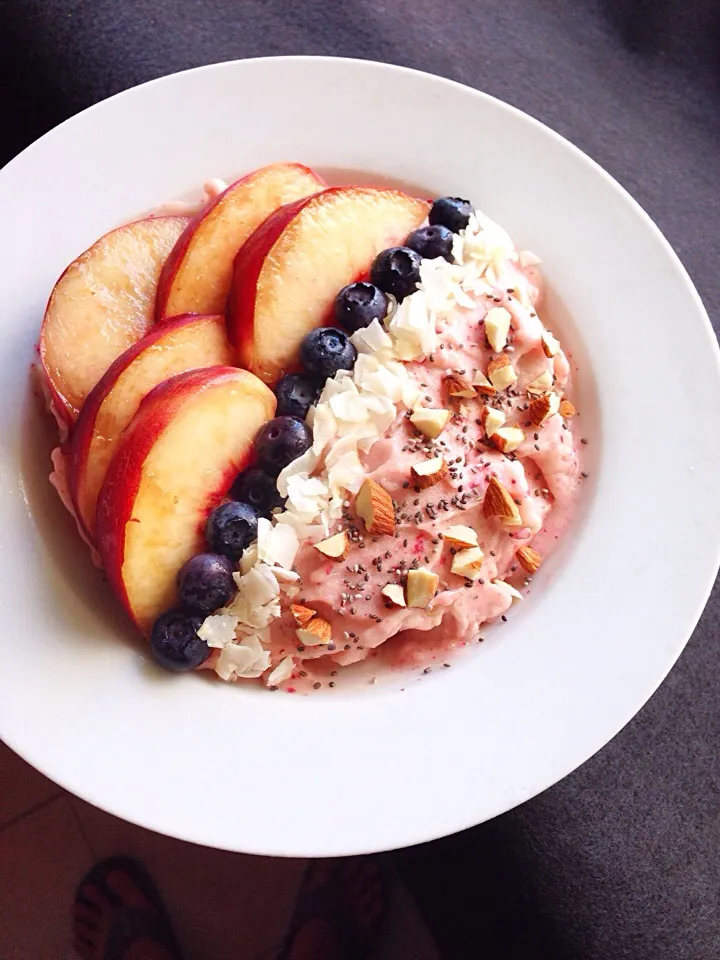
[124,887]
[94,896]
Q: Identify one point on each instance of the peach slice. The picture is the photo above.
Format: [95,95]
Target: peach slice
[196,277]
[184,343]
[174,463]
[102,304]
[287,274]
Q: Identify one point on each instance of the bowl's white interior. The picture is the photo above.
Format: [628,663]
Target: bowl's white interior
[384,766]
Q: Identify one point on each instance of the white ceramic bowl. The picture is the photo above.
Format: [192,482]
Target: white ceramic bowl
[406,761]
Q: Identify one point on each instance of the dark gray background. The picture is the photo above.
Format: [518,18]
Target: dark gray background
[620,861]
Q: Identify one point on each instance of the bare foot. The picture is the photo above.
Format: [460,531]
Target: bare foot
[349,899]
[99,918]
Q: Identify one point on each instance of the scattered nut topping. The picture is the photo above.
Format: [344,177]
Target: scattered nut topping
[460,536]
[491,420]
[302,614]
[374,505]
[394,593]
[497,327]
[541,384]
[430,422]
[483,385]
[317,632]
[422,585]
[507,439]
[529,559]
[550,344]
[566,409]
[501,372]
[428,472]
[499,503]
[337,547]
[515,594]
[467,563]
[458,386]
[543,407]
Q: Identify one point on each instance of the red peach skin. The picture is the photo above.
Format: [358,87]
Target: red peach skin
[196,277]
[287,274]
[176,461]
[180,344]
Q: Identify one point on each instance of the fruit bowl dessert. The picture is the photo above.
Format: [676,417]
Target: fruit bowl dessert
[305,426]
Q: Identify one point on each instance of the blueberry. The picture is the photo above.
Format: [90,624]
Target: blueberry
[432,242]
[358,304]
[205,582]
[231,527]
[396,271]
[174,642]
[451,212]
[326,350]
[257,488]
[281,441]
[296,393]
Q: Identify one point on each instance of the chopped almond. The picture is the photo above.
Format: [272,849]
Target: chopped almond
[550,344]
[501,372]
[394,593]
[515,594]
[337,547]
[302,614]
[529,559]
[507,439]
[374,504]
[317,632]
[460,536]
[491,420]
[422,585]
[428,472]
[458,386]
[541,384]
[430,422]
[467,563]
[566,409]
[543,407]
[483,385]
[498,503]
[497,327]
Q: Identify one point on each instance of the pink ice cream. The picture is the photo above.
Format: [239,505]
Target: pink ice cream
[542,477]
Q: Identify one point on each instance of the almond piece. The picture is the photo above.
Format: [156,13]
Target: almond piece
[460,537]
[428,472]
[483,385]
[491,419]
[499,503]
[317,632]
[566,409]
[458,386]
[430,422]
[529,559]
[543,407]
[422,585]
[374,505]
[467,563]
[302,614]
[501,372]
[515,594]
[337,547]
[550,344]
[394,593]
[541,384]
[507,439]
[497,327]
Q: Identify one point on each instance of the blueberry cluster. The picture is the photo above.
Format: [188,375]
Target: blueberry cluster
[205,583]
